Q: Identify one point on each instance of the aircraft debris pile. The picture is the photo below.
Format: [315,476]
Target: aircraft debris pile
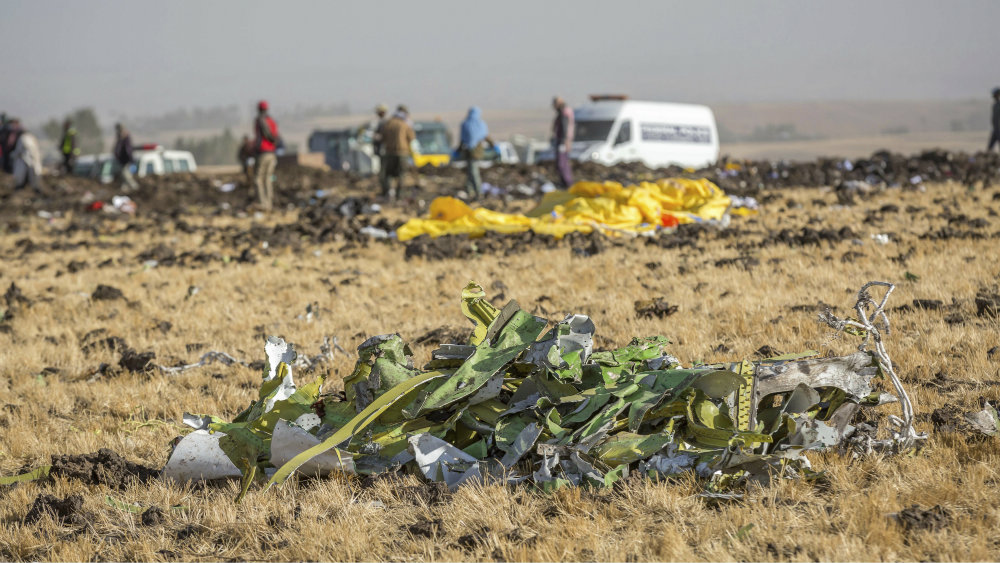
[516,405]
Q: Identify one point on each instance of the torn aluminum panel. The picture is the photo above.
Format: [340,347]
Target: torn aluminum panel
[440,461]
[198,457]
[289,440]
[574,334]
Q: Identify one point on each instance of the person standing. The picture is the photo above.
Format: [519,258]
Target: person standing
[245,157]
[374,128]
[68,147]
[995,135]
[7,141]
[472,136]
[265,143]
[562,140]
[26,158]
[397,141]
[123,155]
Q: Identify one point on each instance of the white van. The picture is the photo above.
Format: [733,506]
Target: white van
[612,129]
[154,160]
[147,160]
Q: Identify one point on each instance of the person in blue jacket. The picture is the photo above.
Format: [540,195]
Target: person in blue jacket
[474,135]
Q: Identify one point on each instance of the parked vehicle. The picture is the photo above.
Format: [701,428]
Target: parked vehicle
[501,152]
[343,150]
[432,146]
[149,160]
[613,129]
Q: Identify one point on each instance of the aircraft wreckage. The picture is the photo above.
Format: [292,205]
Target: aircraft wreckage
[516,405]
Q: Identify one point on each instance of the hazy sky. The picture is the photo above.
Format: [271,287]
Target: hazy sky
[140,57]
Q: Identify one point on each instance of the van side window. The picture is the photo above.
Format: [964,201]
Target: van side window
[168,166]
[624,133]
[183,165]
[150,169]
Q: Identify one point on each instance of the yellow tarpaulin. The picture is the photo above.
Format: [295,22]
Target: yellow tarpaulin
[608,207]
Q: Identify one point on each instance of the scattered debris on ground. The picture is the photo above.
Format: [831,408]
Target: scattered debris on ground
[515,406]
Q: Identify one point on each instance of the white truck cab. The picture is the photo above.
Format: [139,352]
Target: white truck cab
[147,160]
[613,129]
[154,160]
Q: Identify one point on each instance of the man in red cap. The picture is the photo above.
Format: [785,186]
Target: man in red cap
[265,142]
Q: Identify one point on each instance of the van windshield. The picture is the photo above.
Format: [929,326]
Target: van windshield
[433,141]
[597,130]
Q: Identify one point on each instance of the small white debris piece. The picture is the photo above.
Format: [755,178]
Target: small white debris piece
[197,421]
[277,351]
[671,462]
[198,457]
[308,421]
[441,461]
[985,421]
[288,441]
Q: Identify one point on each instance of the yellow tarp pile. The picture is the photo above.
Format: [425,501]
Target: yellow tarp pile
[608,207]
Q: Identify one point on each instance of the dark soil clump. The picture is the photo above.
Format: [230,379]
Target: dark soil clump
[656,307]
[916,518]
[107,293]
[153,516]
[65,511]
[136,362]
[103,467]
[426,528]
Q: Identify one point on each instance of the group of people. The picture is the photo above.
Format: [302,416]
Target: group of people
[474,138]
[21,157]
[392,140]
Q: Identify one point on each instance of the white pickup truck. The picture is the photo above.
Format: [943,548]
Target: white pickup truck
[148,160]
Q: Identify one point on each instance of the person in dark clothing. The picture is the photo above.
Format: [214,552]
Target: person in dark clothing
[123,155]
[68,148]
[245,156]
[8,138]
[397,140]
[562,140]
[995,135]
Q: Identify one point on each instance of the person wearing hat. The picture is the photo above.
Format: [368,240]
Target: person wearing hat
[375,128]
[265,142]
[124,157]
[68,148]
[397,140]
[995,135]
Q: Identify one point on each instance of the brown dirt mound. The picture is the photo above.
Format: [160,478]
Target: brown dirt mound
[103,467]
[65,511]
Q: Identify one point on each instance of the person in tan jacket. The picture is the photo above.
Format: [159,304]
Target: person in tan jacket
[397,137]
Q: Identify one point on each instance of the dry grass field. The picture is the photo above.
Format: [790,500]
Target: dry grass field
[734,294]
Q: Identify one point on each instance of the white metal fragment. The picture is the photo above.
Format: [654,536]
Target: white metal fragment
[277,351]
[440,461]
[198,456]
[671,462]
[288,441]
